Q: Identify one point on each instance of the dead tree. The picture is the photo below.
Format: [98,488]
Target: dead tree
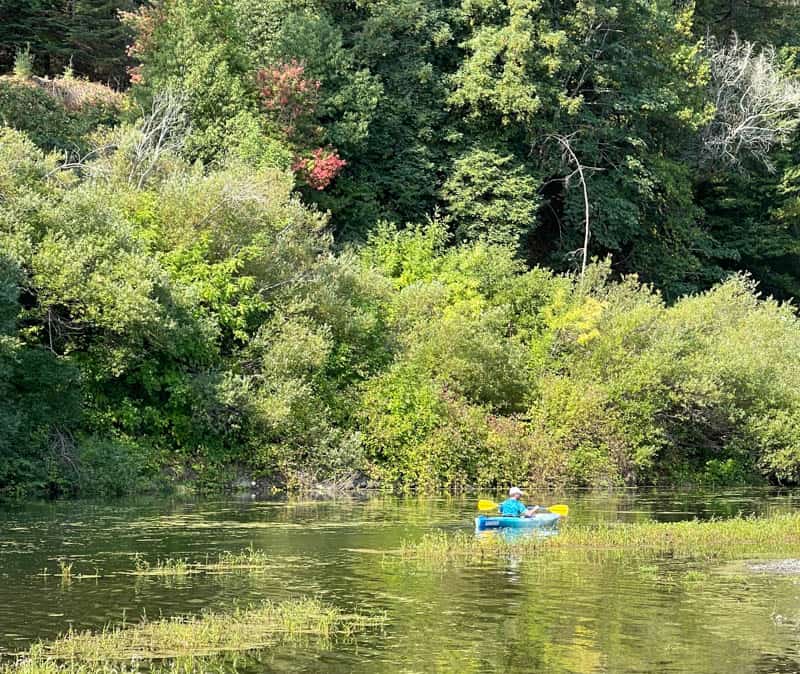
[161,131]
[572,159]
[756,105]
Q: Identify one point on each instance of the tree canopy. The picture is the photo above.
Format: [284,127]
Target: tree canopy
[435,242]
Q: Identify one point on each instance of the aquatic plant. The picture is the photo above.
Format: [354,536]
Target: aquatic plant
[712,539]
[29,666]
[162,567]
[248,559]
[242,629]
[66,571]
[192,665]
[695,576]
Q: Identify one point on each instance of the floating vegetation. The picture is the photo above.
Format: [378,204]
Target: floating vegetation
[163,567]
[29,666]
[189,665]
[243,629]
[197,521]
[248,560]
[713,539]
[709,539]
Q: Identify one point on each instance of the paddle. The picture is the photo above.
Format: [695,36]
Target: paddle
[558,509]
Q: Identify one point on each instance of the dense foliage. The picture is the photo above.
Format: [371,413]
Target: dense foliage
[58,114]
[314,239]
[86,35]
[509,376]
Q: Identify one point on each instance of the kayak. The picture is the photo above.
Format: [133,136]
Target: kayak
[540,521]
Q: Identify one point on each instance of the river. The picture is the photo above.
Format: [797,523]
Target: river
[578,613]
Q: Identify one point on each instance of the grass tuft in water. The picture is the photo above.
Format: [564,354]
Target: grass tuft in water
[247,560]
[28,666]
[162,567]
[207,634]
[189,665]
[714,539]
[695,576]
[66,570]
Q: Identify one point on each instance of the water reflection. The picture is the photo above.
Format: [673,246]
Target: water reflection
[583,612]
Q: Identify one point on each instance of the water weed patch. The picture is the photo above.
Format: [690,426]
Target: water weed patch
[248,560]
[713,539]
[210,633]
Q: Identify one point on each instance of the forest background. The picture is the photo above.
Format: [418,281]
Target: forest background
[426,244]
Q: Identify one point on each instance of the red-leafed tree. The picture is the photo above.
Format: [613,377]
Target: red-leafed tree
[320,168]
[289,96]
[143,22]
[291,99]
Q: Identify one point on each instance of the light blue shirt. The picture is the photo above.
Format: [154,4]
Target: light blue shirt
[512,508]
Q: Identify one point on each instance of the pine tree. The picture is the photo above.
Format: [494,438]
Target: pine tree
[86,34]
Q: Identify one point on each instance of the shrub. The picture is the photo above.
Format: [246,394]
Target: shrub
[110,468]
[493,196]
[57,114]
[617,386]
[23,63]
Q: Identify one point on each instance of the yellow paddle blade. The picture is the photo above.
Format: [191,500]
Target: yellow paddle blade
[558,509]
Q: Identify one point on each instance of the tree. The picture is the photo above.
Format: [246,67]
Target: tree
[195,49]
[756,105]
[607,77]
[491,195]
[382,69]
[85,35]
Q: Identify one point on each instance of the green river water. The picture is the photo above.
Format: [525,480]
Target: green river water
[577,613]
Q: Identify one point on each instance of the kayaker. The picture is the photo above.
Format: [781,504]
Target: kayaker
[513,507]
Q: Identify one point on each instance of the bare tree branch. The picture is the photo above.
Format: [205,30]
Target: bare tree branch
[82,163]
[162,130]
[564,141]
[757,105]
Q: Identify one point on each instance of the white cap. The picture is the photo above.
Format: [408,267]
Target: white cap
[515,491]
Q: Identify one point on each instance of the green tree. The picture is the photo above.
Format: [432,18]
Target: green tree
[606,79]
[195,50]
[369,59]
[493,196]
[86,35]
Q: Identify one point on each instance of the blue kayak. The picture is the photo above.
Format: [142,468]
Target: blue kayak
[540,521]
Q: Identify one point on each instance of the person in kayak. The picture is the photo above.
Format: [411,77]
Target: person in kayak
[513,507]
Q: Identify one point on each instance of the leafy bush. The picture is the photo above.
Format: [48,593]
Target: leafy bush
[158,312]
[491,195]
[53,117]
[207,319]
[615,386]
[110,468]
